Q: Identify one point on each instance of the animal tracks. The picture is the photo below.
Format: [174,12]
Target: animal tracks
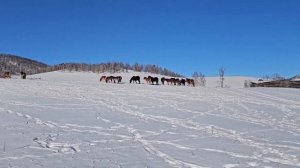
[49,143]
[87,125]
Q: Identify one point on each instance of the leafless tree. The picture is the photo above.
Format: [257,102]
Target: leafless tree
[221,74]
[276,76]
[266,77]
[199,79]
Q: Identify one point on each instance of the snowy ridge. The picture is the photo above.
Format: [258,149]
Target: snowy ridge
[72,120]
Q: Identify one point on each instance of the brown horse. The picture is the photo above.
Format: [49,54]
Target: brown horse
[170,81]
[115,79]
[103,78]
[5,74]
[118,79]
[147,79]
[190,82]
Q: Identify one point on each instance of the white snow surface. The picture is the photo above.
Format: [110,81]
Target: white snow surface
[63,119]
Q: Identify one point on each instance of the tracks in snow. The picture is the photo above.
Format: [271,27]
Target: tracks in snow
[227,104]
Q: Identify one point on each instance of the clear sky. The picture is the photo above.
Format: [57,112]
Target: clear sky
[247,37]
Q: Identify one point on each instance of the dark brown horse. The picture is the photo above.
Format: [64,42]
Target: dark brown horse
[169,81]
[119,79]
[109,79]
[177,82]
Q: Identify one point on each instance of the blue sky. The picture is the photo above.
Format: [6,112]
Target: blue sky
[247,37]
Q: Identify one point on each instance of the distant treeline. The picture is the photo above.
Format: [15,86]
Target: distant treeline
[16,64]
[113,67]
[277,83]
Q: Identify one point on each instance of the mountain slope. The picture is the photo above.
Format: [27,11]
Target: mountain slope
[296,78]
[16,64]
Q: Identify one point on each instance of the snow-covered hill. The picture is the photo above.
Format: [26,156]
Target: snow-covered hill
[61,119]
[89,77]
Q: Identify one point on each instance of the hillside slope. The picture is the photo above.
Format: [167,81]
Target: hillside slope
[16,64]
[72,120]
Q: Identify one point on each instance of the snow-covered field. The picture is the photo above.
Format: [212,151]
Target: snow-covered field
[71,120]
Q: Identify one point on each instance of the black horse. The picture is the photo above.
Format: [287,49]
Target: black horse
[23,75]
[135,79]
[163,79]
[182,82]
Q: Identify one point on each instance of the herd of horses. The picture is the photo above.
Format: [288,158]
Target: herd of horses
[150,80]
[134,79]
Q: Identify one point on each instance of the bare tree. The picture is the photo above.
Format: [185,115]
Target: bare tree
[276,76]
[199,79]
[266,77]
[138,67]
[221,74]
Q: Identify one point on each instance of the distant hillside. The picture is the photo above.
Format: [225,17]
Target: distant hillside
[296,78]
[15,64]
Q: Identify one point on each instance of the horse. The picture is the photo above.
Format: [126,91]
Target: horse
[152,80]
[109,79]
[182,82]
[163,80]
[177,82]
[147,79]
[119,78]
[169,81]
[190,82]
[5,75]
[23,75]
[135,79]
[173,81]
[103,78]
